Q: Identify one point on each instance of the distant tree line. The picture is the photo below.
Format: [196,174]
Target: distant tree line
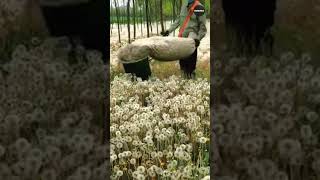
[150,14]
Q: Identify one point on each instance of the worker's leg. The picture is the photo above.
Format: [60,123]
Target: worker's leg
[188,65]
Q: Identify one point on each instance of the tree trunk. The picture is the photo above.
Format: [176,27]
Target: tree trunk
[118,20]
[134,19]
[173,12]
[161,15]
[147,17]
[141,19]
[150,15]
[123,14]
[156,17]
[128,20]
[173,9]
[144,14]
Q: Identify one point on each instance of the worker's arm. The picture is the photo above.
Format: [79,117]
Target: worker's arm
[202,26]
[174,25]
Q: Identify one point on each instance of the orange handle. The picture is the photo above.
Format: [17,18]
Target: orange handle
[186,21]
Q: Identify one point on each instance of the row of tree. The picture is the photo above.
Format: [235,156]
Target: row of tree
[149,14]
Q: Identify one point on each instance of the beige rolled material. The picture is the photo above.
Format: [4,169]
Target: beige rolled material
[159,48]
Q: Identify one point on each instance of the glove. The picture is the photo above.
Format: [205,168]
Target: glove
[197,42]
[165,33]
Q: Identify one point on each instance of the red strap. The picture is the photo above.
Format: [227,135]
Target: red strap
[186,21]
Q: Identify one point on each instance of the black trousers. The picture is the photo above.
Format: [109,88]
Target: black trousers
[188,64]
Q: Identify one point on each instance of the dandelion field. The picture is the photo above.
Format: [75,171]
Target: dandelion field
[266,118]
[160,129]
[51,112]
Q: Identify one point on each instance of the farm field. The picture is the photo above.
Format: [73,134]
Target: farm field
[160,128]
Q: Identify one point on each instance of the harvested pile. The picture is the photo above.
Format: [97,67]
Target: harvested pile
[160,48]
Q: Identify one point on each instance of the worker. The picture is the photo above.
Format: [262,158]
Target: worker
[192,22]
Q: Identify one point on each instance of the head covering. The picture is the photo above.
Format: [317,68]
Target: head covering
[190,1]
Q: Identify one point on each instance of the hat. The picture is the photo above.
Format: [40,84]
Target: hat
[190,1]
